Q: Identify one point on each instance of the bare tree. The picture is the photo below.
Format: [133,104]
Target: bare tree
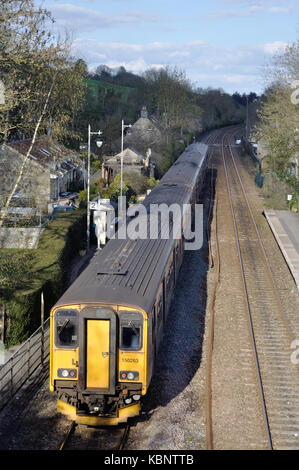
[40,78]
[170,93]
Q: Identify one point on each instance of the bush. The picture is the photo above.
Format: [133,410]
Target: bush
[137,182]
[152,182]
[83,196]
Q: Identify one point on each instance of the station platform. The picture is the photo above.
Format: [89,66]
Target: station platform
[285,227]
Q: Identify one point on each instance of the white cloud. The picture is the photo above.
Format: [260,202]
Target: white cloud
[253,8]
[236,13]
[281,10]
[274,47]
[73,17]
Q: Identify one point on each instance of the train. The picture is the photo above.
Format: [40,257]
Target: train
[106,329]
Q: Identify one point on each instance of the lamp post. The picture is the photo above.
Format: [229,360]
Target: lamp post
[99,143]
[123,126]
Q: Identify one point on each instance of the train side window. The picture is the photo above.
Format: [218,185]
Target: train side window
[66,328]
[159,311]
[154,318]
[169,274]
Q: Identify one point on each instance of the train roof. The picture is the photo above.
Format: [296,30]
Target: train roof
[128,272]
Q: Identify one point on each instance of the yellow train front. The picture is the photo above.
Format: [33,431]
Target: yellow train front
[107,327]
[98,362]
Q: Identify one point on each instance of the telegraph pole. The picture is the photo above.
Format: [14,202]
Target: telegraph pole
[123,126]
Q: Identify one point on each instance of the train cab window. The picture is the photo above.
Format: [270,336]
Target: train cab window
[66,328]
[153,315]
[130,331]
[130,337]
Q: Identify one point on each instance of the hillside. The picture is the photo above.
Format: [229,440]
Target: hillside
[109,98]
[97,90]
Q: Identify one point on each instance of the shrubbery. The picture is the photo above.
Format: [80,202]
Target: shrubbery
[134,184]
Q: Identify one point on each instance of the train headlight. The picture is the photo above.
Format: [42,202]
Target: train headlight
[67,373]
[136,397]
[129,375]
[128,401]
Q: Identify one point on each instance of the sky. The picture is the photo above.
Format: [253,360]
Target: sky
[219,43]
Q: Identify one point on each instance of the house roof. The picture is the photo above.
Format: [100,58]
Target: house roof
[47,152]
[130,157]
[146,124]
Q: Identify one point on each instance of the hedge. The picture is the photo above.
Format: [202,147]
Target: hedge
[26,273]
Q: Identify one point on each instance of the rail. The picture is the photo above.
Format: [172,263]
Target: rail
[34,353]
[248,308]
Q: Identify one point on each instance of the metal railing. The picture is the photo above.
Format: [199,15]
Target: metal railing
[35,352]
[250,149]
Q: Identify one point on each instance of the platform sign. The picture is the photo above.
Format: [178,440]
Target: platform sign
[99,203]
[93,205]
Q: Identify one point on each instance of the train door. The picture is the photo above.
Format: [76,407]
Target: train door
[97,353]
[97,350]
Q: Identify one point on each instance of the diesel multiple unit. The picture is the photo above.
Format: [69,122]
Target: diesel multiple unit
[107,327]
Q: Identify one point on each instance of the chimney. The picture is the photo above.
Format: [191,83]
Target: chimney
[144,113]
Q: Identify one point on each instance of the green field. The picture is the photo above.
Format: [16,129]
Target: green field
[98,91]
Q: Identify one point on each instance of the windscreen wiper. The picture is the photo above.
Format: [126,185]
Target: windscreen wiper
[62,327]
[131,324]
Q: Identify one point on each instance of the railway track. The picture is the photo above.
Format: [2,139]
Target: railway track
[271,328]
[214,263]
[88,438]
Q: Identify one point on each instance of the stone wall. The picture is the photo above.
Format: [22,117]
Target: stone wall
[19,237]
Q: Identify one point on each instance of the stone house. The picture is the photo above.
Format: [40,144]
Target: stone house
[145,132]
[146,128]
[50,170]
